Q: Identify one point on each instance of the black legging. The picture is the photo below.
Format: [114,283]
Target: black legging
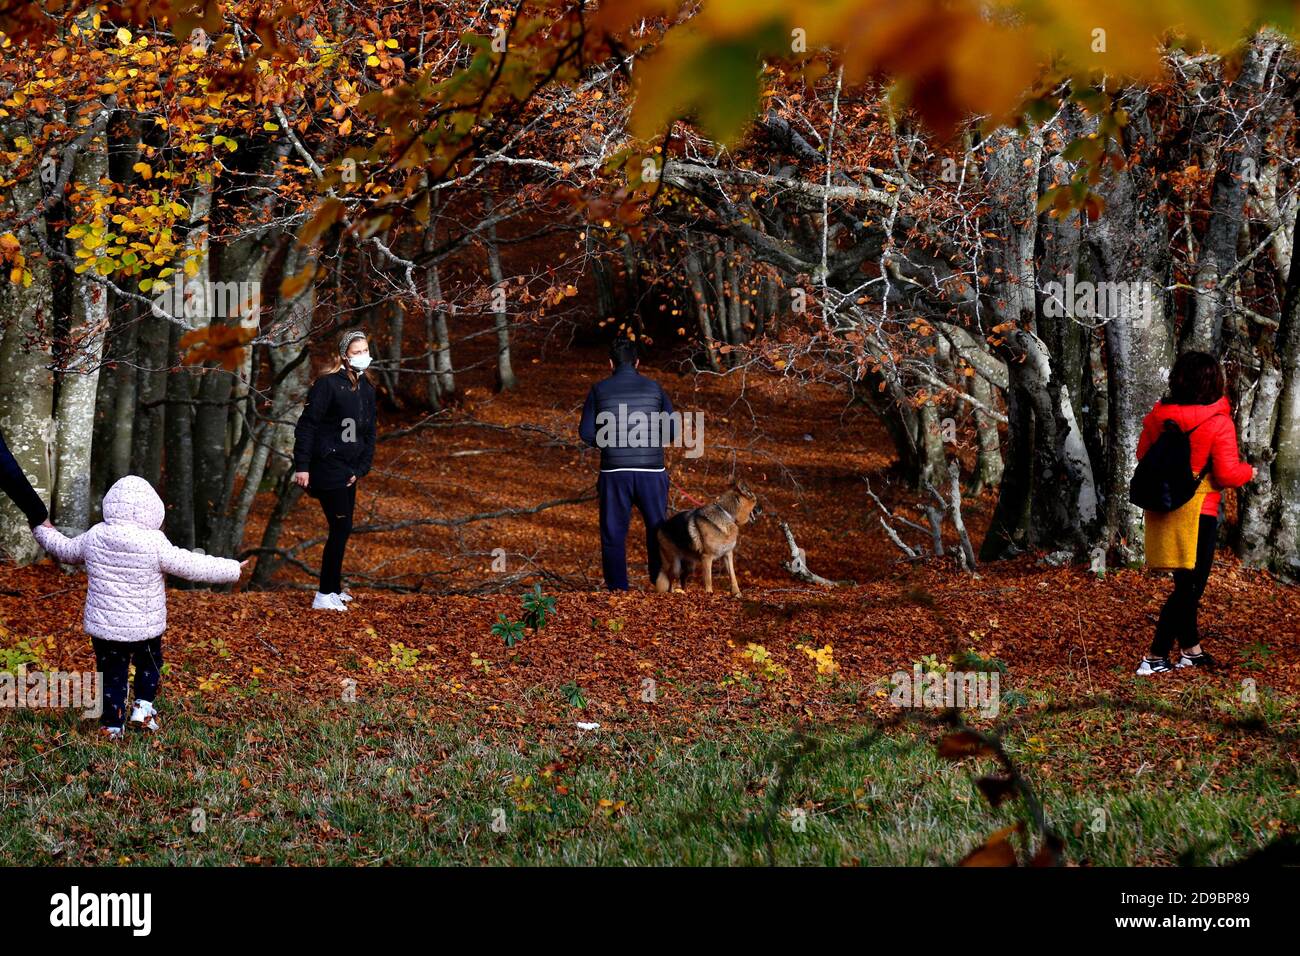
[338,506]
[114,659]
[1178,616]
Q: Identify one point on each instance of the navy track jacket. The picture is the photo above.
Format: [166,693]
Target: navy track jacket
[622,400]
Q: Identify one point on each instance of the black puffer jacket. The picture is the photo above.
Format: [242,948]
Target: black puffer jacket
[335,436]
[626,395]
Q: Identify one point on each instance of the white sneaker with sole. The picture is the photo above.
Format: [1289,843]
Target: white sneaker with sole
[143,714]
[1148,666]
[327,602]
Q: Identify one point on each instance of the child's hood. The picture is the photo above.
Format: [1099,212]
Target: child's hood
[132,501]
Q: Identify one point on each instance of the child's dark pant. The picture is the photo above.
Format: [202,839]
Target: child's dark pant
[1178,616]
[114,658]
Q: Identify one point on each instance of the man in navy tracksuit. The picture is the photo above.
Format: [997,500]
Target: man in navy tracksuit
[626,416]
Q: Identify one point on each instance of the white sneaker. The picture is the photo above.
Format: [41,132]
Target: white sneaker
[343,596]
[111,733]
[327,602]
[1158,666]
[143,714]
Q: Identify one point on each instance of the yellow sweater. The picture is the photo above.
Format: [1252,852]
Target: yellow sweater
[1171,535]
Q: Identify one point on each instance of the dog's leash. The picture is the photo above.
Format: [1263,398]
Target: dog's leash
[700,504]
[691,498]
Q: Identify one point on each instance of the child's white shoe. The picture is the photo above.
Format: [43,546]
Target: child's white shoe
[143,714]
[327,602]
[343,596]
[111,733]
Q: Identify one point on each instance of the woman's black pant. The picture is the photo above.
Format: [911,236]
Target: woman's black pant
[337,505]
[114,659]
[1178,617]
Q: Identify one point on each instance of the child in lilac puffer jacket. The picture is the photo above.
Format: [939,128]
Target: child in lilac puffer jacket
[126,557]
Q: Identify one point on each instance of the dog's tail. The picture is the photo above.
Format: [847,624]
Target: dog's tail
[669,559]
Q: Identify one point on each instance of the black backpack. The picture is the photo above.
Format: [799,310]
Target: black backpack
[1163,479]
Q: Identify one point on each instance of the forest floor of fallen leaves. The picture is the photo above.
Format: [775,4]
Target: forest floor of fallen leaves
[691,668]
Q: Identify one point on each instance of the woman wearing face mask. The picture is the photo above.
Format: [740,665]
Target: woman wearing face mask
[333,447]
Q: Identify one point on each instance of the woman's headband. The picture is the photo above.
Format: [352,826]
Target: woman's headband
[348,339]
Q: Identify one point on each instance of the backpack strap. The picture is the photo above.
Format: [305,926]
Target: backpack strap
[1209,459]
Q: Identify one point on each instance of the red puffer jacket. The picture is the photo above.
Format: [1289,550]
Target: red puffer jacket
[1215,440]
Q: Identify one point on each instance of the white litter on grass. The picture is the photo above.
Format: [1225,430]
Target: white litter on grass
[583,725]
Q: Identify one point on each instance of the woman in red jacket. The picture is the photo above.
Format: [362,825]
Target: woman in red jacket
[1195,403]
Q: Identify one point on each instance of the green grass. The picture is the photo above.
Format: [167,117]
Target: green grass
[378,782]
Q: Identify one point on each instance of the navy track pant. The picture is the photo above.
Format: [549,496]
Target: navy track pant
[618,492]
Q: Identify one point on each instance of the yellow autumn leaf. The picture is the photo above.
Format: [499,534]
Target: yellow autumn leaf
[294,284]
[144,169]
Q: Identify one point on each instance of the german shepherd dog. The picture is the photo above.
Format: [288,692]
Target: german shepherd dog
[701,536]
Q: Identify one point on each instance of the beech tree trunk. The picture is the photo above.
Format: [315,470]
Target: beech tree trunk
[79,379]
[178,454]
[505,374]
[442,384]
[695,277]
[26,387]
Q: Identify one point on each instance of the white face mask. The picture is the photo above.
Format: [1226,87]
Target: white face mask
[359,362]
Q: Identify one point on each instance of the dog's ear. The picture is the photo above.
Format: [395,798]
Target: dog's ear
[744,489]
